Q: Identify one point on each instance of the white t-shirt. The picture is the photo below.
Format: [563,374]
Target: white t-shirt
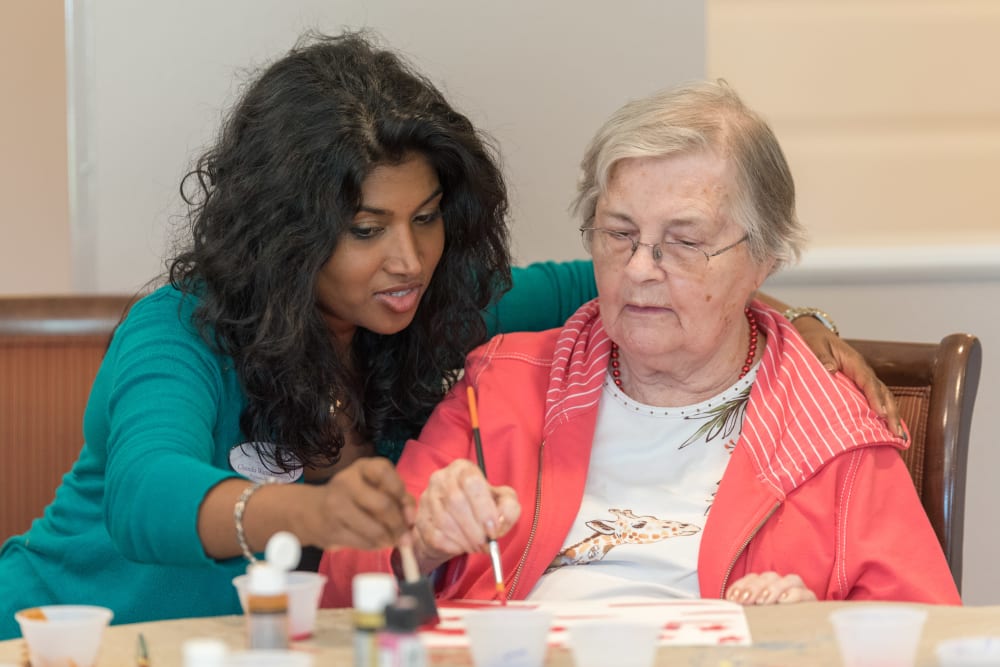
[651,483]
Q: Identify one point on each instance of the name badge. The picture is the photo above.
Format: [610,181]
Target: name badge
[255,461]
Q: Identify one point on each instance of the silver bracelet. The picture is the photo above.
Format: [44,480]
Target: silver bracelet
[793,314]
[238,509]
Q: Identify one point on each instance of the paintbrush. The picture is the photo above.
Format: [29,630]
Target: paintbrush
[494,548]
[141,653]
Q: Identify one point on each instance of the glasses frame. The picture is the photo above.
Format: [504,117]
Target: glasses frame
[654,248]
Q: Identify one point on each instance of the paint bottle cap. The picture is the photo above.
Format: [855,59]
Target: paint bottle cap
[402,615]
[283,551]
[204,652]
[372,591]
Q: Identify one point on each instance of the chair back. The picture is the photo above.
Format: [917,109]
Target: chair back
[935,387]
[50,350]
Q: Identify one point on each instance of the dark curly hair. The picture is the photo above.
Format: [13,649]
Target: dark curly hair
[271,200]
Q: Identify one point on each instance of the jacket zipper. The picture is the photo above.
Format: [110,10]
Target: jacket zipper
[534,525]
[739,552]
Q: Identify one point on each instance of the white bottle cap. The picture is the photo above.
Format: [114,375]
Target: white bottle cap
[204,652]
[372,591]
[283,551]
[265,579]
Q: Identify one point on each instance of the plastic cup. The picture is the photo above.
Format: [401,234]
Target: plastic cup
[617,642]
[511,637]
[304,591]
[269,658]
[878,636]
[969,652]
[67,636]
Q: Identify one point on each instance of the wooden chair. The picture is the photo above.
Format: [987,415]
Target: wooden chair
[935,388]
[50,350]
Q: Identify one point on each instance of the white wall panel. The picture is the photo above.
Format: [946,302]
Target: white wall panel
[540,77]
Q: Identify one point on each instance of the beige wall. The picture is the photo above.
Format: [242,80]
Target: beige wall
[34,202]
[523,70]
[889,112]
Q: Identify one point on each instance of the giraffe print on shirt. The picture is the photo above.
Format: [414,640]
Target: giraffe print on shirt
[626,528]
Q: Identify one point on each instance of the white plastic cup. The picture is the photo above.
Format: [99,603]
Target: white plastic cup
[878,636]
[304,592]
[969,652]
[508,637]
[618,642]
[269,658]
[68,635]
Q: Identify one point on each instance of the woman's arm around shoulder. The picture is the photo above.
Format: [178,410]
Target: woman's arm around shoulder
[544,295]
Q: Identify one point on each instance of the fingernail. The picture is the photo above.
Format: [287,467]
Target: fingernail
[830,366]
[733,595]
[745,596]
[764,597]
[783,597]
[491,529]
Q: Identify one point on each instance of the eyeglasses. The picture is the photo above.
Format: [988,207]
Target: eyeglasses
[609,244]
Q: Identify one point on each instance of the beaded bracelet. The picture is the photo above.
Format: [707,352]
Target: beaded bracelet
[238,509]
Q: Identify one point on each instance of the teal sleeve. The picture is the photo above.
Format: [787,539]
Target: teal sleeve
[164,392]
[543,296]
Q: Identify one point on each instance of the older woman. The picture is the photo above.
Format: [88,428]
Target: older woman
[675,438]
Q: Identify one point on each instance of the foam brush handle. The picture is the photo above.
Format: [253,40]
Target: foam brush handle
[411,573]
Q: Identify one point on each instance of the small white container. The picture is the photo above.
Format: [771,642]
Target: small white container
[508,637]
[969,652]
[270,658]
[618,642]
[304,592]
[69,634]
[878,635]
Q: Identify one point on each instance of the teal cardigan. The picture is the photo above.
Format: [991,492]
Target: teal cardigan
[162,416]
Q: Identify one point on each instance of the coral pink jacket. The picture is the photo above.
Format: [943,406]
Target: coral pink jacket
[815,486]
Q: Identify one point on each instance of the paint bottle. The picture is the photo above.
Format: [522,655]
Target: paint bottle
[371,592]
[267,606]
[399,644]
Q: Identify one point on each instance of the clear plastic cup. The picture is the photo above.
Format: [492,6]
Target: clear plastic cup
[508,637]
[969,652]
[63,635]
[269,658]
[618,642]
[304,592]
[878,636]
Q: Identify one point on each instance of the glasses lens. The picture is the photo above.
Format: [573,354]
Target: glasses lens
[682,257]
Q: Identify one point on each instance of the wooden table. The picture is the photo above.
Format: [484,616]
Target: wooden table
[797,634]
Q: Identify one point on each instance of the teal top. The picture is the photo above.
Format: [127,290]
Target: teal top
[162,417]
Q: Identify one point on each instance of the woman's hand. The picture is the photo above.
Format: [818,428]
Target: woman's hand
[836,355]
[365,506]
[459,511]
[769,588]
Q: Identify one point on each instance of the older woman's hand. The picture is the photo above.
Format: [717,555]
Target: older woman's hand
[458,512]
[769,588]
[836,355]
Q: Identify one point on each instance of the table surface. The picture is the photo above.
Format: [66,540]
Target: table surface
[794,634]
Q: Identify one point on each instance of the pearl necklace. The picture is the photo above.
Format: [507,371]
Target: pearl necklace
[616,373]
